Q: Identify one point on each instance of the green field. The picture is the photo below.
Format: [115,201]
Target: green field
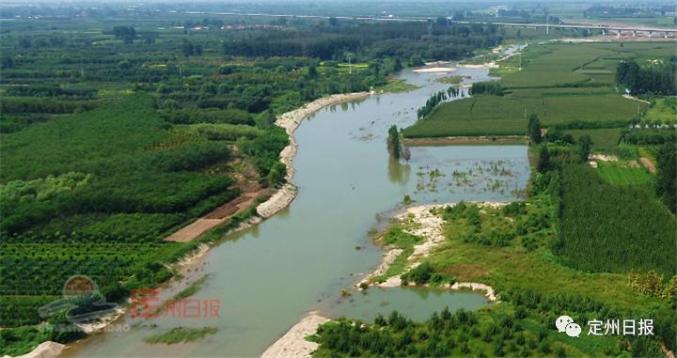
[506,115]
[623,174]
[562,83]
[664,110]
[603,139]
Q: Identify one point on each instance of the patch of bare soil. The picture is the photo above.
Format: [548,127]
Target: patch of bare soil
[247,181]
[648,164]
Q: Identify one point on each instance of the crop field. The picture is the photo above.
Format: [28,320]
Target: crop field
[504,115]
[562,83]
[623,174]
[663,111]
[603,139]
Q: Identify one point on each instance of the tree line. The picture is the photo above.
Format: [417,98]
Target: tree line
[653,78]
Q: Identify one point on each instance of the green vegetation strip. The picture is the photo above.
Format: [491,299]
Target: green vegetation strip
[180,335]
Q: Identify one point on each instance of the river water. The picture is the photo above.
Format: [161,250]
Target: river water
[265,278]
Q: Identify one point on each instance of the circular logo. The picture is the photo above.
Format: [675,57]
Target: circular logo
[79,285]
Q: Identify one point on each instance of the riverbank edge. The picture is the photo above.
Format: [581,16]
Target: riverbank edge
[290,122]
[279,200]
[429,228]
[293,343]
[387,259]
[290,343]
[467,140]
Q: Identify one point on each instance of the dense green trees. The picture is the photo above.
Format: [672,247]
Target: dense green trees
[584,147]
[534,129]
[657,77]
[430,104]
[396,148]
[490,87]
[368,41]
[125,33]
[394,142]
[189,49]
[543,164]
[666,181]
[265,150]
[612,228]
[648,136]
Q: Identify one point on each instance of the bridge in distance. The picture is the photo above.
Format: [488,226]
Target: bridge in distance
[610,29]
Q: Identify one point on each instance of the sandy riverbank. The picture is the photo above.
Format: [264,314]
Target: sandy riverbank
[429,226]
[491,64]
[47,349]
[425,225]
[294,343]
[434,69]
[290,121]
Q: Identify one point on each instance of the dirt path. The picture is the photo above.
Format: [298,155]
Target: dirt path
[215,217]
[247,181]
[282,197]
[627,96]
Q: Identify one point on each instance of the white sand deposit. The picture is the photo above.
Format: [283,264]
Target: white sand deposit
[294,343]
[430,228]
[46,349]
[435,69]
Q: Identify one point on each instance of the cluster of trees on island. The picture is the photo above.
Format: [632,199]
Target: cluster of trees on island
[396,148]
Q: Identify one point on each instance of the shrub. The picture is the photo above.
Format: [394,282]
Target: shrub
[420,275]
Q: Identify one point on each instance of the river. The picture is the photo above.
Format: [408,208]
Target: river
[265,278]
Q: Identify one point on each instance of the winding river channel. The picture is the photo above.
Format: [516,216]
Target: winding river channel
[267,277]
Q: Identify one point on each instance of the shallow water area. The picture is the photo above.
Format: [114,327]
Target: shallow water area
[417,303]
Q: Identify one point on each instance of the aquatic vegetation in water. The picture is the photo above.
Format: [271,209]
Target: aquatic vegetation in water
[181,334]
[484,176]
